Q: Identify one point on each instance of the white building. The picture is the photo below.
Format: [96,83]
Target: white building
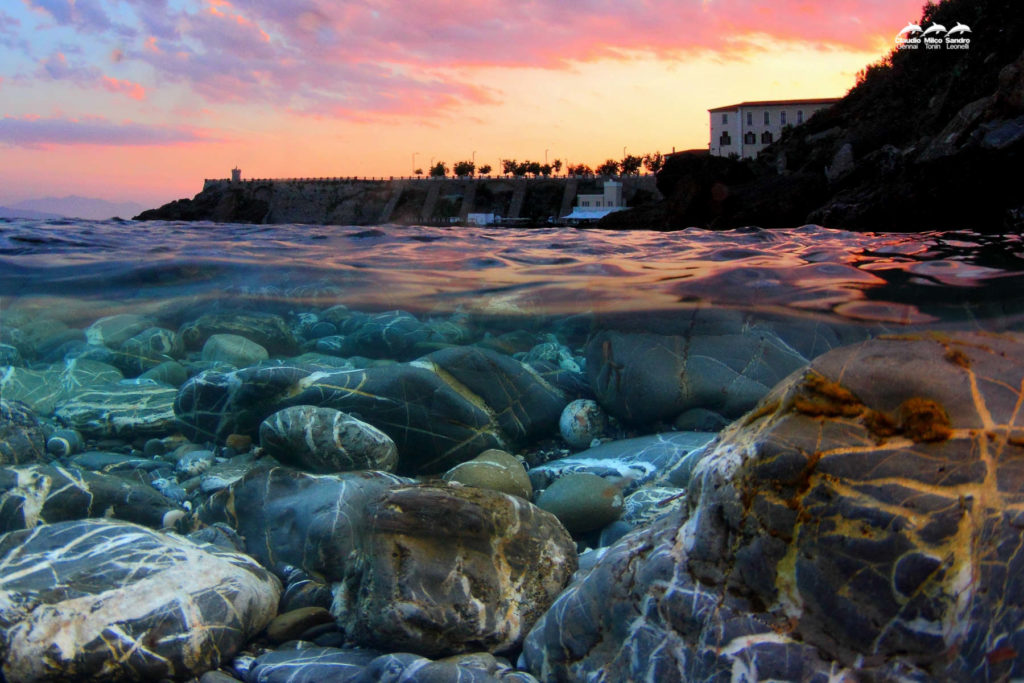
[591,207]
[746,128]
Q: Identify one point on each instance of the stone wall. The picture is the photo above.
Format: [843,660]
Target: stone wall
[408,201]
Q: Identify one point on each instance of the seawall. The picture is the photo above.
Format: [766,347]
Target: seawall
[407,201]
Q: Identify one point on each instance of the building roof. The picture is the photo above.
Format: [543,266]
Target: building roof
[765,103]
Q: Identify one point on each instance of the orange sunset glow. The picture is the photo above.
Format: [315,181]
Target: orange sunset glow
[142,99]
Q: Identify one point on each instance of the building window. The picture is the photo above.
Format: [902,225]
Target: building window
[782,118]
[799,116]
[725,118]
[750,118]
[750,138]
[767,119]
[766,137]
[724,140]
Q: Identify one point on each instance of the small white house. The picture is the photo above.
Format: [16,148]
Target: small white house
[746,128]
[592,207]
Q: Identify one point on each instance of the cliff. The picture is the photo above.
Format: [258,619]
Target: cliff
[340,201]
[927,140]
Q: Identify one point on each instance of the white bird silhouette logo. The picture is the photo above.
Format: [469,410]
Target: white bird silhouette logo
[959,28]
[911,27]
[935,28]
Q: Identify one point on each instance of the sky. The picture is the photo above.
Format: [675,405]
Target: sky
[140,100]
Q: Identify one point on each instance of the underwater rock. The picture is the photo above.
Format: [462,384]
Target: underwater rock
[293,623]
[64,443]
[10,355]
[148,349]
[120,602]
[266,329]
[445,569]
[394,334]
[524,404]
[865,514]
[582,501]
[114,330]
[582,421]
[324,440]
[233,349]
[43,389]
[441,410]
[22,437]
[310,664]
[291,518]
[495,470]
[640,460]
[31,495]
[120,410]
[170,372]
[642,378]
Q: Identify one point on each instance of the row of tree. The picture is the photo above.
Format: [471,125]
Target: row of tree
[629,165]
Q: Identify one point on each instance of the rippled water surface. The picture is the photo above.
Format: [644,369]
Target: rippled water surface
[807,271]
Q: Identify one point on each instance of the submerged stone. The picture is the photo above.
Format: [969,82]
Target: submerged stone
[863,516]
[22,437]
[291,518]
[642,377]
[120,602]
[31,495]
[444,570]
[325,440]
[124,410]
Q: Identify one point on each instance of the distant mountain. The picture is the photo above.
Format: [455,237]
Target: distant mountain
[74,206]
[8,212]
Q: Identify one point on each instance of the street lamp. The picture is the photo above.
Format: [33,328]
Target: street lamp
[414,162]
[545,157]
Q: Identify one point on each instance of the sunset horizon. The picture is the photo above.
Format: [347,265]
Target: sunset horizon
[140,101]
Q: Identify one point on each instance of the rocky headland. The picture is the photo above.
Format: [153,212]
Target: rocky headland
[402,201]
[926,140]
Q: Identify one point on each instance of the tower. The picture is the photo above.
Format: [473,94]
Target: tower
[236,175]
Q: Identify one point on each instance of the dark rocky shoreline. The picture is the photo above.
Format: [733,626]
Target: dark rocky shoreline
[926,141]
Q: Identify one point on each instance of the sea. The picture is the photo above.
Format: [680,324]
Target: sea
[76,270]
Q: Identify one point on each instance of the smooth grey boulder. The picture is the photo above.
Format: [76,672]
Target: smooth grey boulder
[642,378]
[324,440]
[111,601]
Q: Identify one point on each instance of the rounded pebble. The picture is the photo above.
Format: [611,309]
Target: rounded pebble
[493,469]
[291,625]
[582,501]
[581,422]
[64,442]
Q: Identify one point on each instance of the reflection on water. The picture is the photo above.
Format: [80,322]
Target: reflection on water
[890,278]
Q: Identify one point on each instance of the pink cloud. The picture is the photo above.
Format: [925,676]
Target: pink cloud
[360,58]
[37,131]
[132,90]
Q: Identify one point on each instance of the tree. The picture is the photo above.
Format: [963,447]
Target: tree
[580,170]
[439,170]
[545,170]
[533,168]
[508,166]
[418,171]
[485,169]
[630,164]
[654,162]
[609,168]
[557,165]
[464,168]
[520,168]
